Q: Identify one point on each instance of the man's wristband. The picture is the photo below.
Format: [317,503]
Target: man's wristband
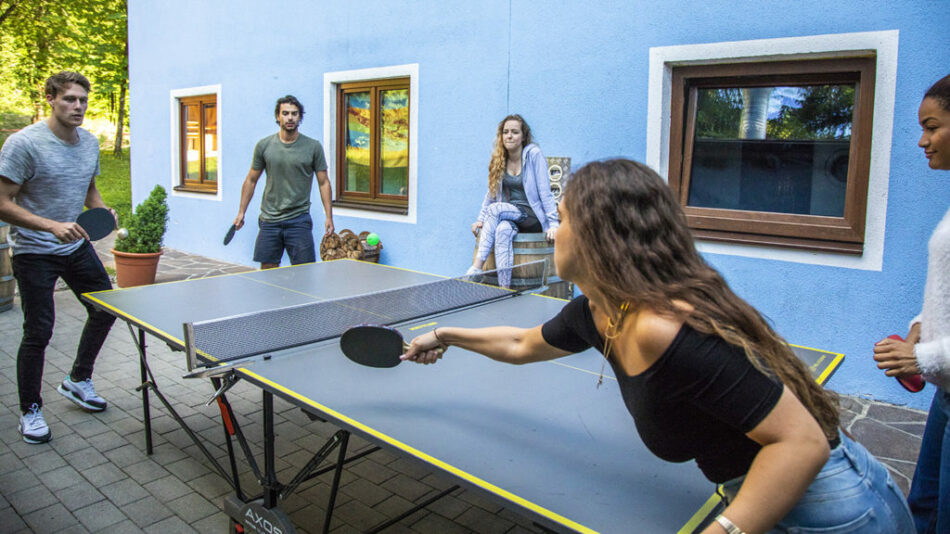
[730,527]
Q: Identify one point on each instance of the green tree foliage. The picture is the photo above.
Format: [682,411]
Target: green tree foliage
[717,113]
[41,37]
[818,112]
[147,225]
[824,112]
[6,7]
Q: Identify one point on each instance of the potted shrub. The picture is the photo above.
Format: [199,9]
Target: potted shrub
[136,255]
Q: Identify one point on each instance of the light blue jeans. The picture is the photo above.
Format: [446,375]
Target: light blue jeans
[930,492]
[852,493]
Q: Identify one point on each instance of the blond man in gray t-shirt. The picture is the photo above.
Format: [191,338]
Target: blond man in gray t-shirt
[291,160]
[47,175]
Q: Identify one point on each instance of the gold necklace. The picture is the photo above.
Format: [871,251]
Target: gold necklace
[611,332]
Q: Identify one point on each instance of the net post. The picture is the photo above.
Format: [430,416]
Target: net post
[191,355]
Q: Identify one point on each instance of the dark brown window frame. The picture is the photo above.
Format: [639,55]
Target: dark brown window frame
[370,201]
[831,234]
[202,185]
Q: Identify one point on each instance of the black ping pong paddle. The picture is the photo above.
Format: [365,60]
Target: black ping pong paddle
[912,383]
[373,345]
[97,222]
[230,235]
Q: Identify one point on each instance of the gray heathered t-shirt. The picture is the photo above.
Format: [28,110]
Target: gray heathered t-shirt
[54,177]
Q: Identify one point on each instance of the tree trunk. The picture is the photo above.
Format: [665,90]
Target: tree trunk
[753,122]
[117,151]
[40,65]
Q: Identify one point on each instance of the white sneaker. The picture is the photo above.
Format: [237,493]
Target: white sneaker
[473,270]
[33,427]
[83,393]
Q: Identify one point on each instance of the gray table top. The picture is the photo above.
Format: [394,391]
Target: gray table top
[540,437]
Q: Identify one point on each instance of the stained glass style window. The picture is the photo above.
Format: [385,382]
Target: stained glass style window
[373,144]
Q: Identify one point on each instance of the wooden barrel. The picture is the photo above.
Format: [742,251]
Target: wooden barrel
[7,283]
[528,248]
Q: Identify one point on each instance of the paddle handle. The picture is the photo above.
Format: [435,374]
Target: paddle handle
[440,349]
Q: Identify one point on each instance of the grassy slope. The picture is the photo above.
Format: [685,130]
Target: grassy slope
[114,182]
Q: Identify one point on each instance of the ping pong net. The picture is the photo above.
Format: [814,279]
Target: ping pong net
[239,337]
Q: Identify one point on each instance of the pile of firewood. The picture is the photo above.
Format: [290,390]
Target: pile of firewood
[346,244]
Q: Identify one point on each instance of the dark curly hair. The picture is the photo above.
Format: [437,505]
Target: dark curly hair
[940,92]
[289,99]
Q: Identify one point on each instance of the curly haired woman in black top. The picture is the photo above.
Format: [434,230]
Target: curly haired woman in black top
[701,372]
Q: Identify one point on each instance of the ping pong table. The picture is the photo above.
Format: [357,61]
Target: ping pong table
[541,439]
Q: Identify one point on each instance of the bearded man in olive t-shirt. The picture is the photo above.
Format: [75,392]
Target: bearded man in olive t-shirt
[290,159]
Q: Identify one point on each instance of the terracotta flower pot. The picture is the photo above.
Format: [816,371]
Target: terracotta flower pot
[134,269]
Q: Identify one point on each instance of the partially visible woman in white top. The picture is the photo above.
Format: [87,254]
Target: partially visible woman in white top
[927,347]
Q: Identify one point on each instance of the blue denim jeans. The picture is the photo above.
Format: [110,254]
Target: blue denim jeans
[295,235]
[852,493]
[36,276]
[929,497]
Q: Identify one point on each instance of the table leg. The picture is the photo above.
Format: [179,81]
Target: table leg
[143,369]
[271,486]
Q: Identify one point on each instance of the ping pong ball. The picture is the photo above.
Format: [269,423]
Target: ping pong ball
[372,240]
[122,233]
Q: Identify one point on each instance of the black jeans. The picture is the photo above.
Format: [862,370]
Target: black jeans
[36,276]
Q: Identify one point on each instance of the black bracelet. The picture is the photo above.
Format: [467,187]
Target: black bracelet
[435,332]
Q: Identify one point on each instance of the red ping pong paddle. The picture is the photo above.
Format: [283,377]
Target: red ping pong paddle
[97,222]
[912,383]
[230,235]
[373,345]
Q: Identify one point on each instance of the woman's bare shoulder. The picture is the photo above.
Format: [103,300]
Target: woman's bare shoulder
[655,332]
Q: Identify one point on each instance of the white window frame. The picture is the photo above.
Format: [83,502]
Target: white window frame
[175,129]
[330,82]
[882,43]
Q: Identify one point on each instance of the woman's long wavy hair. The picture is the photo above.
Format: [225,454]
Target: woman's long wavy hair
[632,241]
[499,156]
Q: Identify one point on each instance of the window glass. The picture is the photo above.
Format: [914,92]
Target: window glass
[394,142]
[191,119]
[780,149]
[358,119]
[211,142]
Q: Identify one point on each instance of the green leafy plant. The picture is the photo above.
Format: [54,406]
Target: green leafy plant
[147,225]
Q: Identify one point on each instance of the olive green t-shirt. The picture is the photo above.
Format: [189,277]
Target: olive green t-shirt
[290,172]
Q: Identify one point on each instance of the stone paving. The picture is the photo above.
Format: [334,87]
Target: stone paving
[94,476]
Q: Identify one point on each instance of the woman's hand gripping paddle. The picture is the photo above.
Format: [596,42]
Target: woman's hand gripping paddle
[912,383]
[97,222]
[374,345]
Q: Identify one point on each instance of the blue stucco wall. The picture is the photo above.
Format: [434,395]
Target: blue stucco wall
[578,72]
